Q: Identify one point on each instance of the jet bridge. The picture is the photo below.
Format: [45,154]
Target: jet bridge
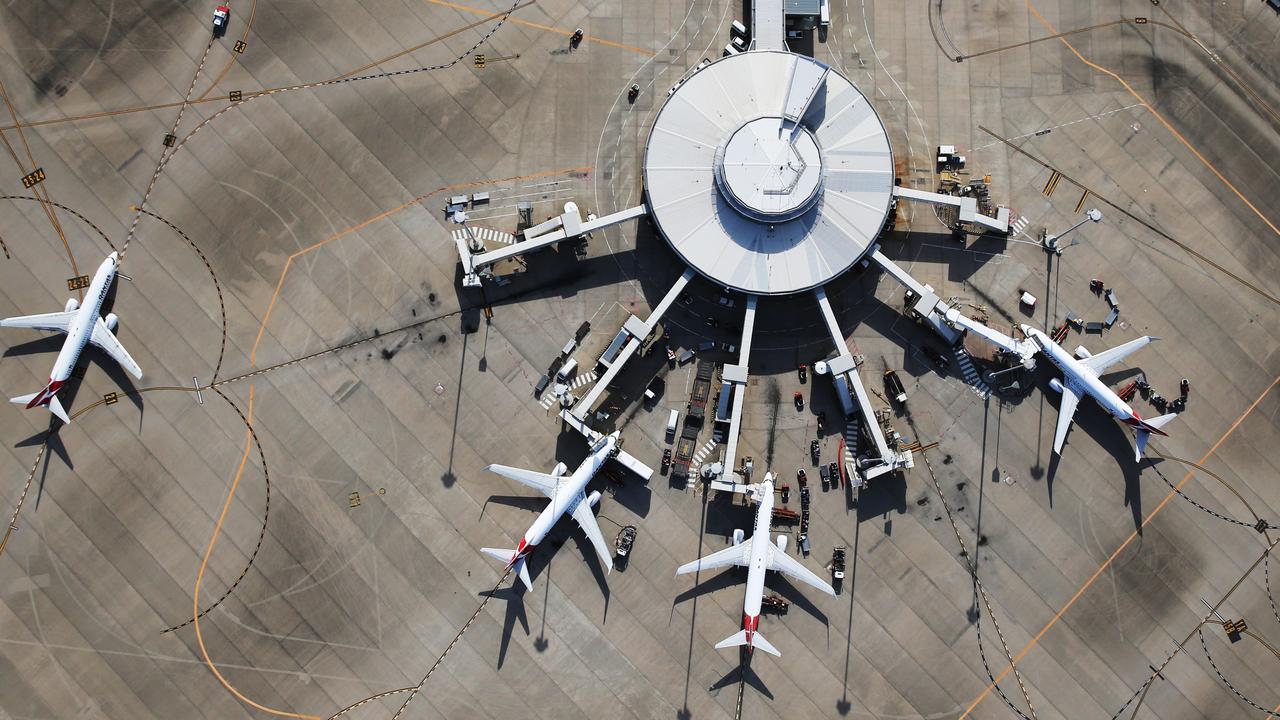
[568,224]
[638,330]
[849,388]
[967,206]
[735,378]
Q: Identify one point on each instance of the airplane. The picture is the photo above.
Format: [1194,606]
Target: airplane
[757,555]
[568,497]
[1081,378]
[82,324]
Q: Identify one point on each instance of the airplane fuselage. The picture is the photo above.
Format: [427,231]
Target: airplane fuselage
[1074,372]
[759,563]
[81,328]
[567,498]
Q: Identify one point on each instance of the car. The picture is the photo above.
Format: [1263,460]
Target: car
[221,18]
[803,370]
[727,302]
[799,401]
[801,478]
[893,385]
[729,347]
[935,357]
[706,345]
[815,451]
[712,322]
[834,470]
[804,544]
[686,298]
[666,460]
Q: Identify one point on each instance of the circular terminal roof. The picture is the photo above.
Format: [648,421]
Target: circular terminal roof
[768,172]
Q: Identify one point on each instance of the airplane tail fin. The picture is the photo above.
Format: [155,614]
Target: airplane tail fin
[757,641]
[522,570]
[48,397]
[1144,430]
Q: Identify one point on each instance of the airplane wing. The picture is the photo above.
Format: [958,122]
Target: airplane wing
[105,339]
[542,482]
[1066,411]
[781,562]
[49,322]
[587,521]
[735,555]
[1099,363]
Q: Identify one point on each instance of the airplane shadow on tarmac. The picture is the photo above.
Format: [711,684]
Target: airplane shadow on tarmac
[742,674]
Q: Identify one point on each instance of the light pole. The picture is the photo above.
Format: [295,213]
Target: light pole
[1053,243]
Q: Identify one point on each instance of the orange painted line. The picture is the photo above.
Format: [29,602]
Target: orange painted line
[545,28]
[1102,568]
[253,353]
[1157,116]
[204,563]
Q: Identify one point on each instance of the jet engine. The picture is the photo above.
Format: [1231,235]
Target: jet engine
[782,543]
[559,470]
[72,304]
[738,535]
[112,320]
[1082,353]
[1056,384]
[594,498]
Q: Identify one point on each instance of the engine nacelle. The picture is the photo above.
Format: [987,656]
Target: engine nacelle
[112,320]
[738,535]
[1056,384]
[594,498]
[559,470]
[782,543]
[72,304]
[1082,353]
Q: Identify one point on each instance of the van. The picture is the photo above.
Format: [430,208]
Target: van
[566,370]
[730,50]
[706,345]
[542,385]
[737,28]
[671,424]
[686,357]
[569,346]
[824,13]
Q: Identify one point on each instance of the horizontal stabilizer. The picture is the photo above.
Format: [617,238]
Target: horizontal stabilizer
[757,641]
[1144,430]
[504,555]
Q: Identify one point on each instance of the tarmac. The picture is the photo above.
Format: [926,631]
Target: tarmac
[321,396]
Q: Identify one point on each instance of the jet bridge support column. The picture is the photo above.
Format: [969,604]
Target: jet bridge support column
[638,330]
[735,380]
[849,388]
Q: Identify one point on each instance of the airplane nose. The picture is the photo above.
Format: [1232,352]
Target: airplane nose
[114,256]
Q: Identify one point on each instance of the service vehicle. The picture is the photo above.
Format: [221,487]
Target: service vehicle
[893,385]
[815,452]
[935,357]
[833,469]
[837,568]
[803,371]
[623,543]
[666,460]
[798,398]
[221,18]
[801,478]
[774,603]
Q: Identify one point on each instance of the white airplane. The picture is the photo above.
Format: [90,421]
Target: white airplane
[568,497]
[1081,378]
[82,324]
[757,555]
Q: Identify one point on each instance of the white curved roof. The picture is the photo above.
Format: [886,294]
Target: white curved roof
[768,172]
